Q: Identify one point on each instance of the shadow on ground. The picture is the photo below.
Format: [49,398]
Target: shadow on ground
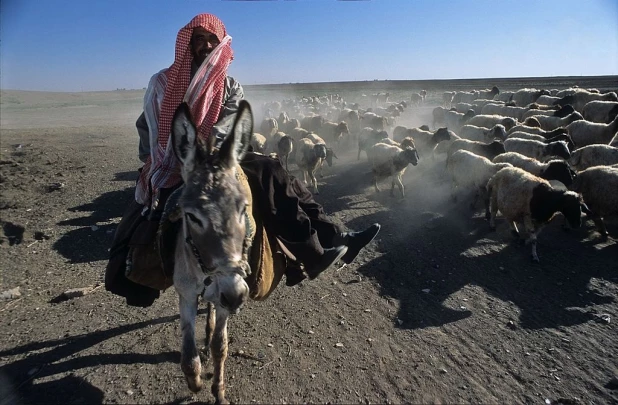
[92,240]
[53,357]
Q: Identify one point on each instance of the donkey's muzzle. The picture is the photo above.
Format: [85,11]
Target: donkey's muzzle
[233,292]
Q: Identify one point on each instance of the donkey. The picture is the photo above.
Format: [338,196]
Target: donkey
[210,250]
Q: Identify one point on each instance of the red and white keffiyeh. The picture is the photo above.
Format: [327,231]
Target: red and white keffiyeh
[167,89]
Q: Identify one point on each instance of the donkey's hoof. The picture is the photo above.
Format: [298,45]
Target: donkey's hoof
[194,383]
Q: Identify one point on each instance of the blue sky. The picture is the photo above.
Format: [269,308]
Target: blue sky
[77,45]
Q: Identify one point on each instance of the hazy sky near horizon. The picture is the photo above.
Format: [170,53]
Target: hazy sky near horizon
[76,45]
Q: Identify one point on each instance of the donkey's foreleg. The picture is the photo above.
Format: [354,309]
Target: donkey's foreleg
[210,326]
[189,357]
[218,348]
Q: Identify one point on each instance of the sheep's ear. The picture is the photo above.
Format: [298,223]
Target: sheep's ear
[184,136]
[237,142]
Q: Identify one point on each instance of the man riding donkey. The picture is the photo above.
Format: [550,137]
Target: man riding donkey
[198,77]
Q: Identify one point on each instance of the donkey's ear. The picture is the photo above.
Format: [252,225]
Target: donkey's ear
[237,142]
[184,135]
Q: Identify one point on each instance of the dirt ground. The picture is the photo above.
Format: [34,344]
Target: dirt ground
[438,309]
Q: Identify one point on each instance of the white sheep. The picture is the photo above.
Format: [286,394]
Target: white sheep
[524,97]
[387,160]
[258,143]
[593,155]
[310,159]
[334,132]
[521,196]
[482,134]
[487,150]
[454,120]
[598,186]
[541,138]
[505,110]
[426,141]
[602,112]
[285,146]
[471,172]
[369,137]
[559,112]
[490,120]
[504,96]
[579,99]
[537,149]
[552,122]
[586,133]
[537,131]
[558,170]
[547,100]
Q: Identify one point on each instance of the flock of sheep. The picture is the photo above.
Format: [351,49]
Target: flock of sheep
[528,154]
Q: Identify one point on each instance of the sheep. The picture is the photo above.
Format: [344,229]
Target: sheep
[407,142]
[537,131]
[291,125]
[579,99]
[464,107]
[586,133]
[541,138]
[504,96]
[465,96]
[416,99]
[423,94]
[447,99]
[474,133]
[521,196]
[330,153]
[593,155]
[438,114]
[552,170]
[387,160]
[524,97]
[312,123]
[547,100]
[454,120]
[311,157]
[471,172]
[333,131]
[505,110]
[284,149]
[536,149]
[550,122]
[389,141]
[602,112]
[560,112]
[274,141]
[258,143]
[426,141]
[269,127]
[598,186]
[488,94]
[369,137]
[401,132]
[374,121]
[489,121]
[486,150]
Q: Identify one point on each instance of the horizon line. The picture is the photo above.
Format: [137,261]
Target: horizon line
[346,82]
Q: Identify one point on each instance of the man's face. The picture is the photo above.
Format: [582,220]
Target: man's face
[202,43]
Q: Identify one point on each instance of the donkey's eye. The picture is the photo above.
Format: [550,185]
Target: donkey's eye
[243,210]
[194,219]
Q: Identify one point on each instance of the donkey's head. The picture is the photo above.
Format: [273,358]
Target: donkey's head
[213,204]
